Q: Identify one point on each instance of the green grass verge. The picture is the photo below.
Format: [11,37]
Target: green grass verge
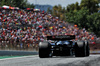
[3,57]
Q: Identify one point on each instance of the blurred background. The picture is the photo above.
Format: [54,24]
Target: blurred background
[24,23]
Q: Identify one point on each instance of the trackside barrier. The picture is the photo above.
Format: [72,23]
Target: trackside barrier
[95,52]
[17,53]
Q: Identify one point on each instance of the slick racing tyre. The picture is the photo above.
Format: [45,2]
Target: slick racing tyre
[87,48]
[44,49]
[80,49]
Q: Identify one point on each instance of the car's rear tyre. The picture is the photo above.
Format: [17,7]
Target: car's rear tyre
[87,48]
[44,49]
[80,49]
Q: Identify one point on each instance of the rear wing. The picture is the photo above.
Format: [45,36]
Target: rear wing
[61,37]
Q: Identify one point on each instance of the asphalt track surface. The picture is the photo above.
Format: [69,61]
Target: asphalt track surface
[92,60]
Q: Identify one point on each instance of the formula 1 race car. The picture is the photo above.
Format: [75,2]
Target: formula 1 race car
[63,45]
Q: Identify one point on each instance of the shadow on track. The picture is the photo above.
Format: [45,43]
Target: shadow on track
[65,57]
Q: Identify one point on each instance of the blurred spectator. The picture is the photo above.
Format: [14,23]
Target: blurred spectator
[25,29]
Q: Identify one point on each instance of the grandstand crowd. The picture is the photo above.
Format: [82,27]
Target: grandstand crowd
[24,29]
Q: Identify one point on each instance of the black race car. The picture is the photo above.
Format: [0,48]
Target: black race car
[63,45]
